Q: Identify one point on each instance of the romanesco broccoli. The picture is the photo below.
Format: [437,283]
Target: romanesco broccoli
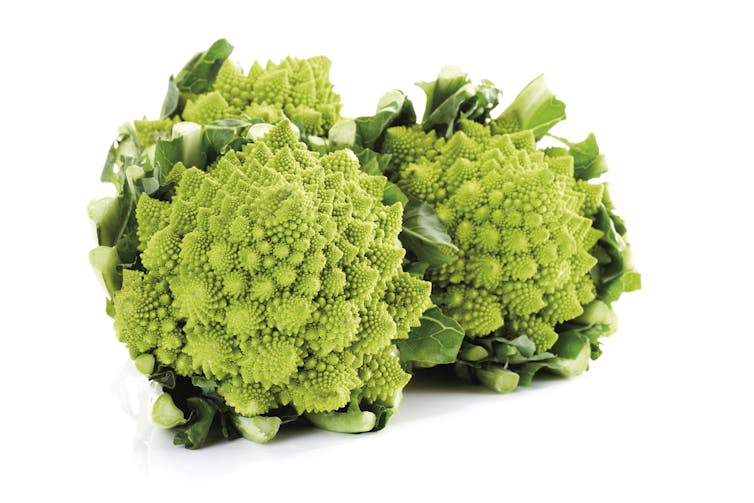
[519,220]
[533,255]
[276,274]
[298,89]
[256,280]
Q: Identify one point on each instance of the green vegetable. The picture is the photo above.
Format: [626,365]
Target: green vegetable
[211,88]
[265,259]
[353,420]
[524,251]
[258,429]
[165,413]
[257,281]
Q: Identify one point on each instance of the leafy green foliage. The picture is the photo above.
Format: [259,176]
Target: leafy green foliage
[535,109]
[425,236]
[393,109]
[588,163]
[199,74]
[453,98]
[435,341]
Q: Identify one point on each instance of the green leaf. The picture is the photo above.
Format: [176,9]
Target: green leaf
[343,133]
[108,170]
[198,75]
[393,109]
[127,243]
[615,273]
[510,352]
[444,118]
[449,82]
[445,95]
[631,281]
[123,152]
[172,100]
[105,261]
[165,377]
[452,98]
[195,433]
[393,194]
[424,235]
[104,214]
[150,185]
[527,372]
[486,98]
[230,123]
[534,108]
[371,162]
[524,345]
[208,386]
[207,416]
[583,152]
[166,154]
[568,346]
[418,269]
[376,164]
[572,358]
[588,163]
[436,340]
[217,138]
[383,414]
[125,168]
[598,320]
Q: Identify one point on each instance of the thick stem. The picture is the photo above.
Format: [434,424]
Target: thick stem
[259,429]
[165,413]
[351,421]
[573,356]
[105,260]
[497,379]
[145,363]
[191,135]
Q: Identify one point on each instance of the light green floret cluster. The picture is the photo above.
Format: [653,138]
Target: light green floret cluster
[149,132]
[298,89]
[519,219]
[277,274]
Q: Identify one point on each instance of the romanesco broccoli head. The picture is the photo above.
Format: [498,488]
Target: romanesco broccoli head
[520,222]
[276,274]
[298,89]
[527,253]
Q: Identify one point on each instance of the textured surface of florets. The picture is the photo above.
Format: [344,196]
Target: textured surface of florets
[149,132]
[299,89]
[519,220]
[276,273]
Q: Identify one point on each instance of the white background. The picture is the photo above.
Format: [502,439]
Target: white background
[664,415]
